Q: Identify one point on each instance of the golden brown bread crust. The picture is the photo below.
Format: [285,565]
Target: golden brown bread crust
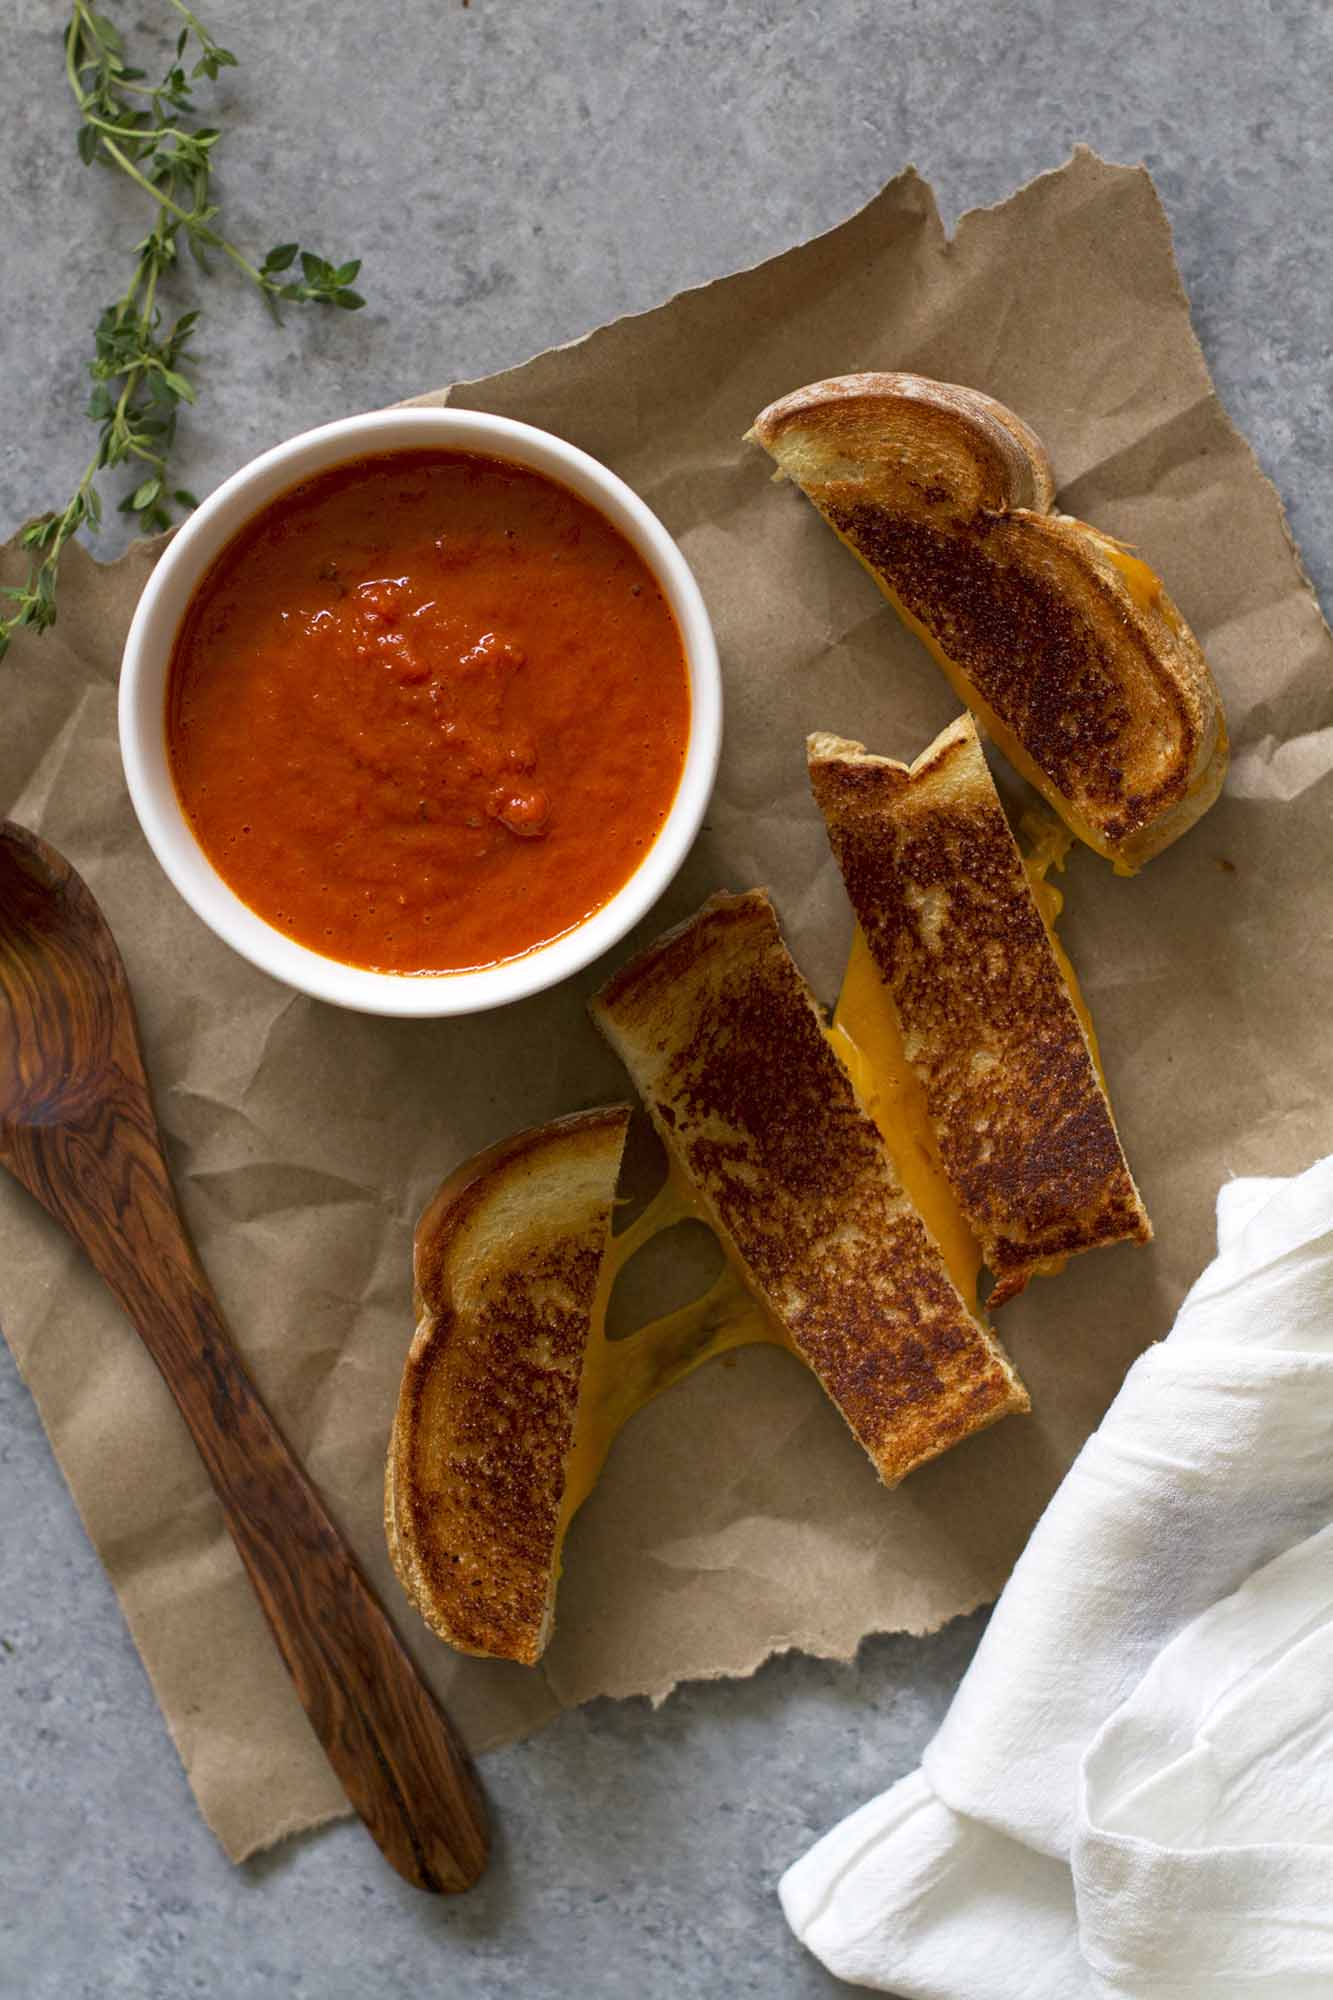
[1069,650]
[1025,1132]
[507,1261]
[727,1046]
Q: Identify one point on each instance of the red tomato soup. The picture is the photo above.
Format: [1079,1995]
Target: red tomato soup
[427,711]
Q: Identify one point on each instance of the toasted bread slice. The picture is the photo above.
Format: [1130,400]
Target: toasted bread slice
[1064,644]
[727,1046]
[1020,1113]
[507,1262]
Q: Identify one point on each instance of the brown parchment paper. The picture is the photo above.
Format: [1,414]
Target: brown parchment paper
[736,1515]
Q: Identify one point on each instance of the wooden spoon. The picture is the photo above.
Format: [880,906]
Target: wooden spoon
[77,1129]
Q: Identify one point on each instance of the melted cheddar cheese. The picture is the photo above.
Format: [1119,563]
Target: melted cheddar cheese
[866,1035]
[1143,584]
[621,1376]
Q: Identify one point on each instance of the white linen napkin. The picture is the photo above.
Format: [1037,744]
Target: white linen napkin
[1132,1794]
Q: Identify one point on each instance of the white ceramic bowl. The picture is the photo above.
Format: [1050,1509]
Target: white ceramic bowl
[143,685]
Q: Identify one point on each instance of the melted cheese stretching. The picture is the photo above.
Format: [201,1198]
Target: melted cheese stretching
[621,1376]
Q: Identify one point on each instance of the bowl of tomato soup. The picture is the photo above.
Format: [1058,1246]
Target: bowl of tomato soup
[421,711]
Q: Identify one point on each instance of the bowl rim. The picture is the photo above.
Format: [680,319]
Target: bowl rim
[146,661]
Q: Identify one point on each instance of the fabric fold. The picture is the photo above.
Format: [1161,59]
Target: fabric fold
[1138,1766]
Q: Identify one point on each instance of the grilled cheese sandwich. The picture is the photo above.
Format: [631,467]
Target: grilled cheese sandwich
[730,1054]
[989,1021]
[513,1393]
[1062,642]
[507,1262]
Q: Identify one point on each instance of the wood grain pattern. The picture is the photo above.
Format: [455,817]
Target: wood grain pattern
[77,1128]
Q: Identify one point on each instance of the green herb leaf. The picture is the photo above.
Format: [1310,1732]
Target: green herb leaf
[138,370]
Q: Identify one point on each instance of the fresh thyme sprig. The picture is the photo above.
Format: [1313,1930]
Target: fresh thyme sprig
[149,132]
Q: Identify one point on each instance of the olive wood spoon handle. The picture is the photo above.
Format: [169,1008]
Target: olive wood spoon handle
[77,1129]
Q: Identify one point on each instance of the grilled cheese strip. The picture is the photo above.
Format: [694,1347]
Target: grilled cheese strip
[1063,642]
[730,1054]
[508,1261]
[988,1023]
[869,1043]
[512,1394]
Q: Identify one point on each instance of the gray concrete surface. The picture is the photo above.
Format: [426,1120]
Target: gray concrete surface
[513,172]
